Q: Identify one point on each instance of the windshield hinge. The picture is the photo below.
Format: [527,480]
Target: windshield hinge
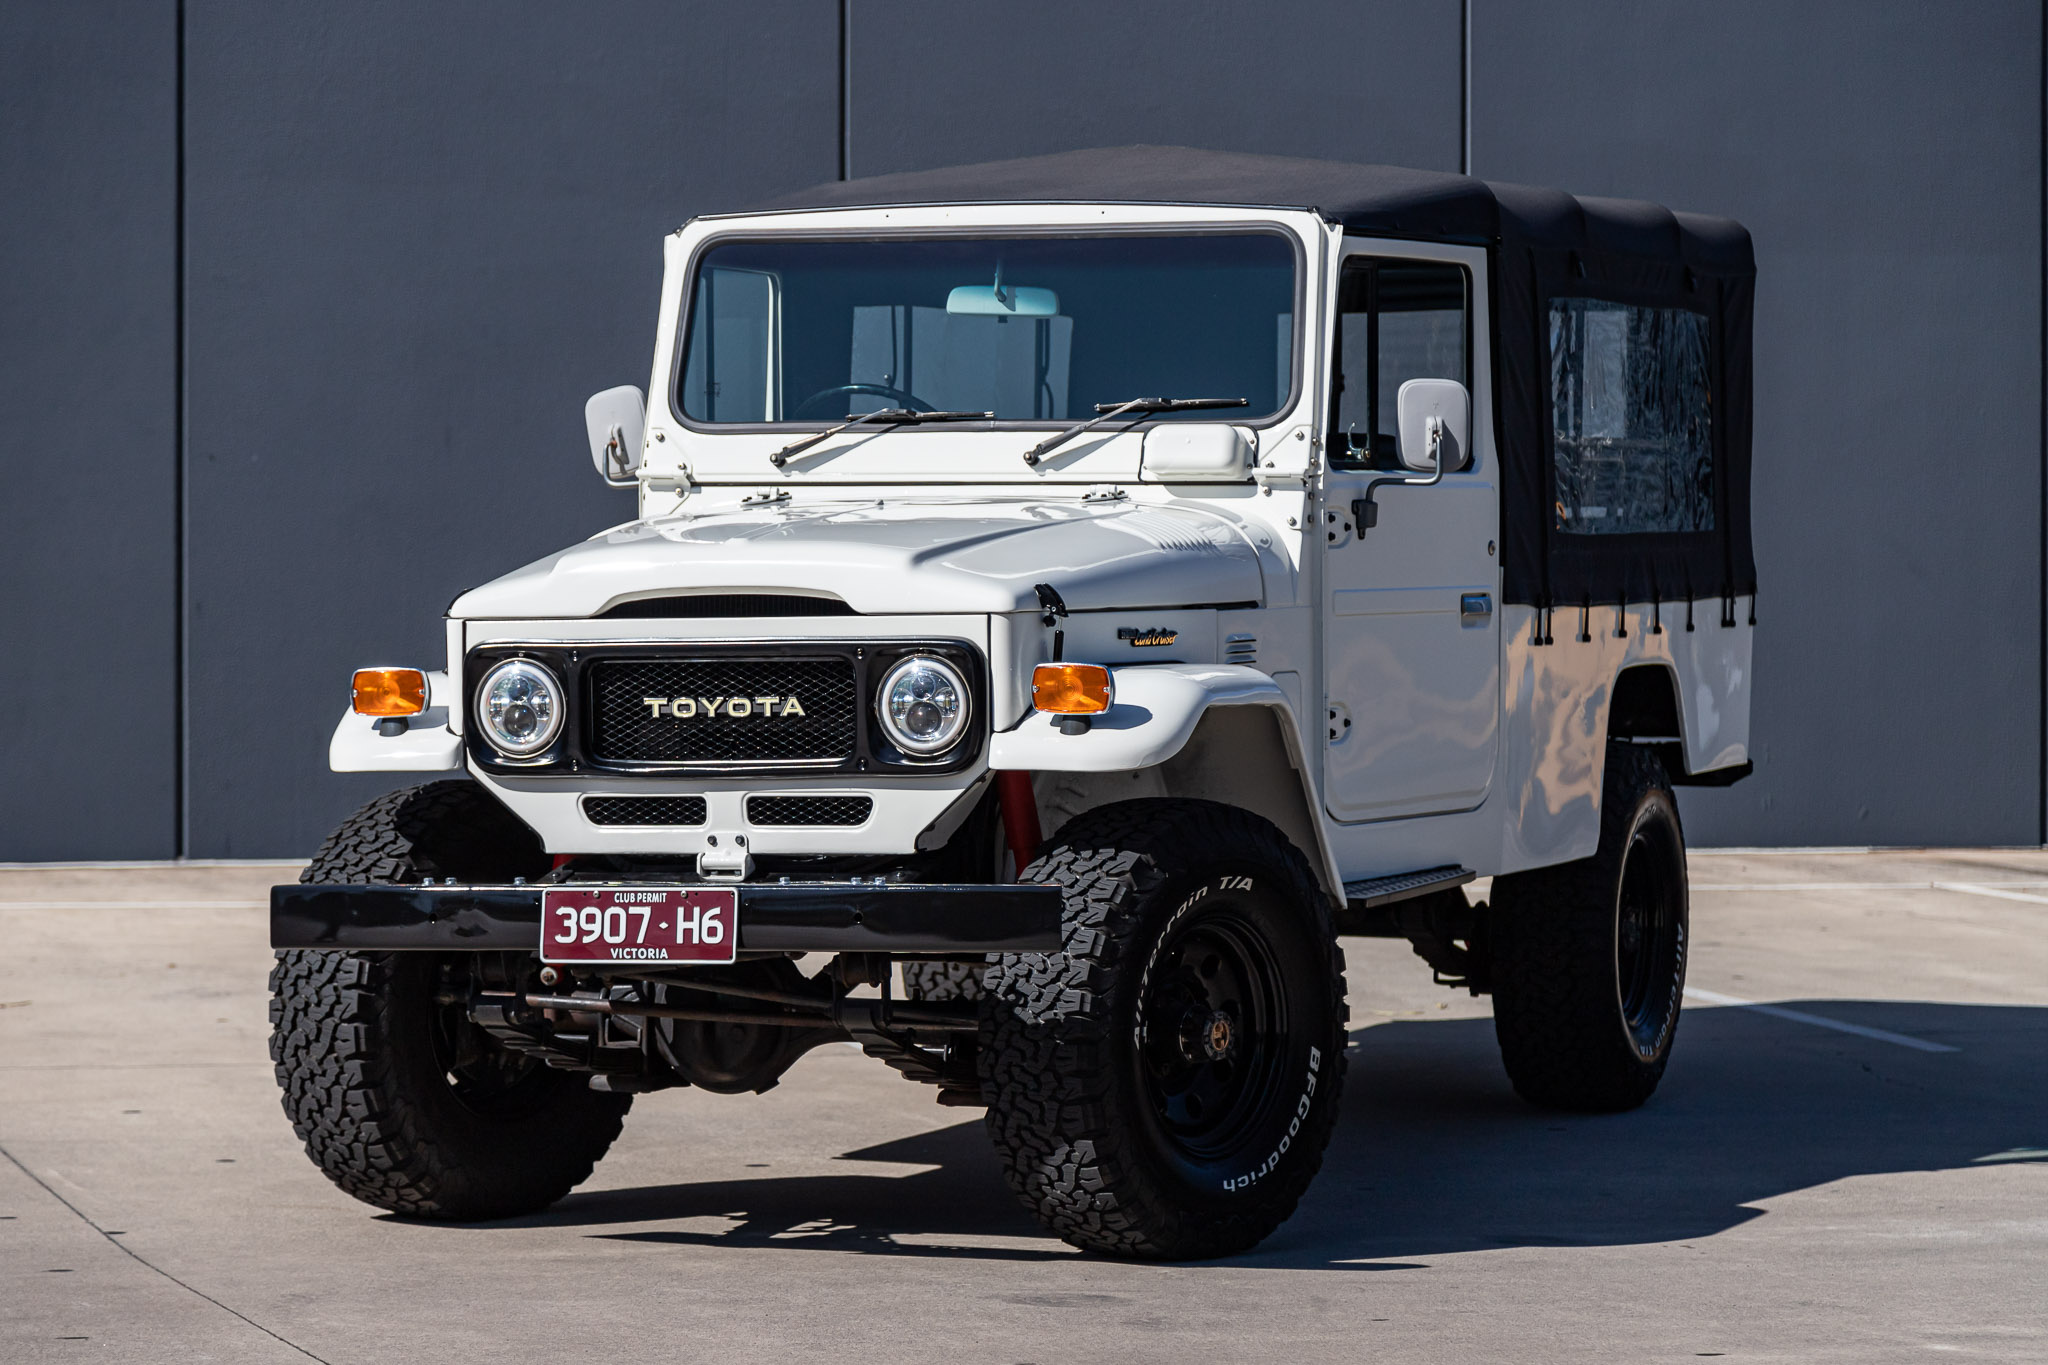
[676,481]
[1287,460]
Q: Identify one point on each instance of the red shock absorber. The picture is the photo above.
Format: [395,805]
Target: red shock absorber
[1020,816]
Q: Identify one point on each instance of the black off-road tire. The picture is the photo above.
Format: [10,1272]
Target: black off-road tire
[400,1100]
[1093,1080]
[935,979]
[1589,956]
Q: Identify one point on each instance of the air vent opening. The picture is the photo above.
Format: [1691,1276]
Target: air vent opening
[809,810]
[645,810]
[728,605]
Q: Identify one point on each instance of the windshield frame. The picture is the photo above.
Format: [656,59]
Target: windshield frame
[739,232]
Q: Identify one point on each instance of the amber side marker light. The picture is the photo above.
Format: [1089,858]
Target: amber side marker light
[390,692]
[1071,689]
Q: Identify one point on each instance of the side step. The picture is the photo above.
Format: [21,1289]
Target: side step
[1367,911]
[1426,908]
[1378,891]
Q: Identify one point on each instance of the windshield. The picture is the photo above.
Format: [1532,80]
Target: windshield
[1027,328]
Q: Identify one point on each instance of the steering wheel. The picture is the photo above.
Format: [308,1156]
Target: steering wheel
[903,398]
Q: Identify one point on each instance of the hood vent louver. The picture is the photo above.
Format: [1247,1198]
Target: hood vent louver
[751,604]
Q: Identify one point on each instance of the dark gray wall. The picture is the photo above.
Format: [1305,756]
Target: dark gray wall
[88,428]
[1889,169]
[937,83]
[418,236]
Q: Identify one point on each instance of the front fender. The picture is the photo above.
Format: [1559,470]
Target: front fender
[426,745]
[1157,709]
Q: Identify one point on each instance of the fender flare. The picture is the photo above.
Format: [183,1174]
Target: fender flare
[1158,708]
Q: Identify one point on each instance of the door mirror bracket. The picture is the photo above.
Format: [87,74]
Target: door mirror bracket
[1435,420]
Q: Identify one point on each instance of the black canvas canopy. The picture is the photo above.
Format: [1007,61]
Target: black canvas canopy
[1544,244]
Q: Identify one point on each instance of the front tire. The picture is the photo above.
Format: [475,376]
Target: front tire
[1589,956]
[1165,1085]
[400,1099]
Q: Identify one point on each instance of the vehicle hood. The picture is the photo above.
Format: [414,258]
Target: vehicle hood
[899,555]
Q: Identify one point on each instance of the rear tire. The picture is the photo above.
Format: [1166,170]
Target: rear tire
[1165,1085]
[1589,956]
[934,979]
[401,1100]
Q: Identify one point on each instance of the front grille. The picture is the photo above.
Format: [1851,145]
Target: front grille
[809,810]
[624,727]
[645,810]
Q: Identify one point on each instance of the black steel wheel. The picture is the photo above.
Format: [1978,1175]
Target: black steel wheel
[1165,1086]
[1212,1030]
[1589,957]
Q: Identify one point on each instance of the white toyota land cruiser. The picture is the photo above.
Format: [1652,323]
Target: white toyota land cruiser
[1067,594]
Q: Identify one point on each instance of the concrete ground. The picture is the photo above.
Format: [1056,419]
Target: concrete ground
[1848,1161]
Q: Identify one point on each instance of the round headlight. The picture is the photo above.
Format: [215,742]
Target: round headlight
[924,705]
[520,708]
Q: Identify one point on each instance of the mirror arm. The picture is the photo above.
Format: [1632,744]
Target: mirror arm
[1365,513]
[615,452]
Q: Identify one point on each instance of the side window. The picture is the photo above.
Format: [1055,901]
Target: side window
[1396,321]
[1631,417]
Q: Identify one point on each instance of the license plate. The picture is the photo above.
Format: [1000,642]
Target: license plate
[639,924]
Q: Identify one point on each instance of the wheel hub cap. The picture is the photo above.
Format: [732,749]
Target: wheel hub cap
[1207,1036]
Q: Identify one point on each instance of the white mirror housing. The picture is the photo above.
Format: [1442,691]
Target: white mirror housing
[1422,399]
[616,420]
[1196,452]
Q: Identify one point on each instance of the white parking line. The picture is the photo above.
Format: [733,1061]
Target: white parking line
[1982,887]
[1992,889]
[1802,1017]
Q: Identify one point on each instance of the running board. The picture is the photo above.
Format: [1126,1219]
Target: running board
[1365,911]
[1378,891]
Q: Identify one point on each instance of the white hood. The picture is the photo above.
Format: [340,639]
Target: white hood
[899,555]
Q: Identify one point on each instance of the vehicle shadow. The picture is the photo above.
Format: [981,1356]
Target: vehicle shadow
[1435,1154]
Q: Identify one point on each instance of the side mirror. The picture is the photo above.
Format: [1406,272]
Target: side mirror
[1195,452]
[1435,417]
[617,422]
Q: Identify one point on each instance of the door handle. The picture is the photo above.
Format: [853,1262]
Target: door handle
[1475,606]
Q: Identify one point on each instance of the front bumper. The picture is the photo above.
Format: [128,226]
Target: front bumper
[803,917]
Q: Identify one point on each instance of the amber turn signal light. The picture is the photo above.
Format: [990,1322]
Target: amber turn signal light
[1071,689]
[390,692]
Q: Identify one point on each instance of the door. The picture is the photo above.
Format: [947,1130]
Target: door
[1411,603]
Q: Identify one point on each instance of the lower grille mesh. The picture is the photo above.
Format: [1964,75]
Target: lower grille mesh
[645,810]
[809,810]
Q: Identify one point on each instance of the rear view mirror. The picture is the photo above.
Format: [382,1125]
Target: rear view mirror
[1003,301]
[1445,401]
[617,422]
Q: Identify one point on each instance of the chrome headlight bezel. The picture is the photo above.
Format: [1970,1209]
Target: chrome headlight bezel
[557,710]
[957,724]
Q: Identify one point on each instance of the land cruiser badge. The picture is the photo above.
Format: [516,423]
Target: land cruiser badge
[1142,637]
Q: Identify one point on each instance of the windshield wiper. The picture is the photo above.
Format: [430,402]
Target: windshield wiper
[1142,406]
[887,416]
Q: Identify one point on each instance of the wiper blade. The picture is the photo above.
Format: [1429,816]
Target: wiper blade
[1108,412]
[886,416]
